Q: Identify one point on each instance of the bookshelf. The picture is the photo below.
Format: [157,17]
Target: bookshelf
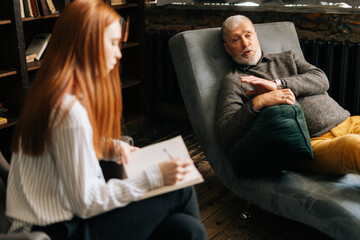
[132,71]
[16,74]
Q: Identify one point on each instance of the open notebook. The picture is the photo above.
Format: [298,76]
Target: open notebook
[159,152]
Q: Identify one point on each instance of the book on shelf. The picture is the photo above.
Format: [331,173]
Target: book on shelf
[27,8]
[51,6]
[126,36]
[160,152]
[3,112]
[22,9]
[44,9]
[35,8]
[3,120]
[38,45]
[117,2]
[30,57]
[125,27]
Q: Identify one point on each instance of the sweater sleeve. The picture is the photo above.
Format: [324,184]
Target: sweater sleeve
[80,177]
[309,80]
[234,114]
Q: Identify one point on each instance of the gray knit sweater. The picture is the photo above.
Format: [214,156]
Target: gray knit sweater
[309,84]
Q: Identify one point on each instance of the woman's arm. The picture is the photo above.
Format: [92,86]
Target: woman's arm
[85,191]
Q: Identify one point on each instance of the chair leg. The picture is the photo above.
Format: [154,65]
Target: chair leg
[245,214]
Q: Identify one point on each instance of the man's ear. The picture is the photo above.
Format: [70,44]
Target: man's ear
[226,48]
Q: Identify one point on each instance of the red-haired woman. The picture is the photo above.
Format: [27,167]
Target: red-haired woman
[69,121]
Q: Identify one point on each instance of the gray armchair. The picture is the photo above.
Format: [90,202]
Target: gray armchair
[328,203]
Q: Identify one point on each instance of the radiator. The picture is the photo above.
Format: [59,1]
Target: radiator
[341,63]
[339,60]
[162,84]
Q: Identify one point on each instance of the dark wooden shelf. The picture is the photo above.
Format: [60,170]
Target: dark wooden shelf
[6,73]
[125,45]
[5,22]
[33,65]
[41,17]
[130,118]
[128,82]
[125,6]
[11,122]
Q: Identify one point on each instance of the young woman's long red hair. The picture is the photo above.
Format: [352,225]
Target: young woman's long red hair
[74,63]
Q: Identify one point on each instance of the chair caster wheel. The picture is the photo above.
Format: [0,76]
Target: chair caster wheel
[245,215]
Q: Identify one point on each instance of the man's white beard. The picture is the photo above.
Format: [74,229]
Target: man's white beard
[253,61]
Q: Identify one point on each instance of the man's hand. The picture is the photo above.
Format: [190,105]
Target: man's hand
[261,85]
[275,97]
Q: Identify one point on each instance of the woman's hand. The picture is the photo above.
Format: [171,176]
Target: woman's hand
[125,151]
[175,170]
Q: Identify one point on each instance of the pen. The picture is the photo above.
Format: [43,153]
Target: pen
[169,155]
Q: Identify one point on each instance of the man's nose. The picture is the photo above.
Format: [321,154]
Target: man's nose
[245,42]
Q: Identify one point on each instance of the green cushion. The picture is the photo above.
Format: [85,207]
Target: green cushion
[277,140]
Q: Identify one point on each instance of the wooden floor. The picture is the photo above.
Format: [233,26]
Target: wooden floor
[220,209]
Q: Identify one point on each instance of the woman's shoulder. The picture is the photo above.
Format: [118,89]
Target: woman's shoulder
[75,113]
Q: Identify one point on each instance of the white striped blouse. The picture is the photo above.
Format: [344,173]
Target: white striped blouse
[68,180]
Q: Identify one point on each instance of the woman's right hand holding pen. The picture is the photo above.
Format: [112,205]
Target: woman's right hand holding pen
[175,170]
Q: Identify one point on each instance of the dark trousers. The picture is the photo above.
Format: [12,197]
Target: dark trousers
[173,215]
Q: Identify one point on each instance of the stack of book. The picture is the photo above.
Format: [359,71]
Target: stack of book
[37,8]
[3,110]
[125,25]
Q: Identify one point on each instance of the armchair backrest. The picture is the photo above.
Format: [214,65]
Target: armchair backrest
[201,62]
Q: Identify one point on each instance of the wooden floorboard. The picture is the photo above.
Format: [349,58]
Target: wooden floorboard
[220,209]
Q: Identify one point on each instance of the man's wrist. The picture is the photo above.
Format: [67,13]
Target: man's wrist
[280,83]
[251,106]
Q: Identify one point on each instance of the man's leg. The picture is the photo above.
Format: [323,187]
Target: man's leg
[338,151]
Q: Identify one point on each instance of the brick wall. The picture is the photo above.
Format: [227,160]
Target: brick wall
[324,26]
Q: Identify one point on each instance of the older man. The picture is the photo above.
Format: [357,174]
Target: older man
[258,80]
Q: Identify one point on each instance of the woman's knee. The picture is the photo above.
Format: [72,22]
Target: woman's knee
[180,226]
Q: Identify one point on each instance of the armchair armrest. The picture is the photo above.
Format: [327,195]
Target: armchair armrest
[25,236]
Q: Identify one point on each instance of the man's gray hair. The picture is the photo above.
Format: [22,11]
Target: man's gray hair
[231,22]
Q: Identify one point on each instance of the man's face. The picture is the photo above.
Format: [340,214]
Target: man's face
[242,45]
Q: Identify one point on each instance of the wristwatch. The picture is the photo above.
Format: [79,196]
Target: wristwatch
[279,84]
